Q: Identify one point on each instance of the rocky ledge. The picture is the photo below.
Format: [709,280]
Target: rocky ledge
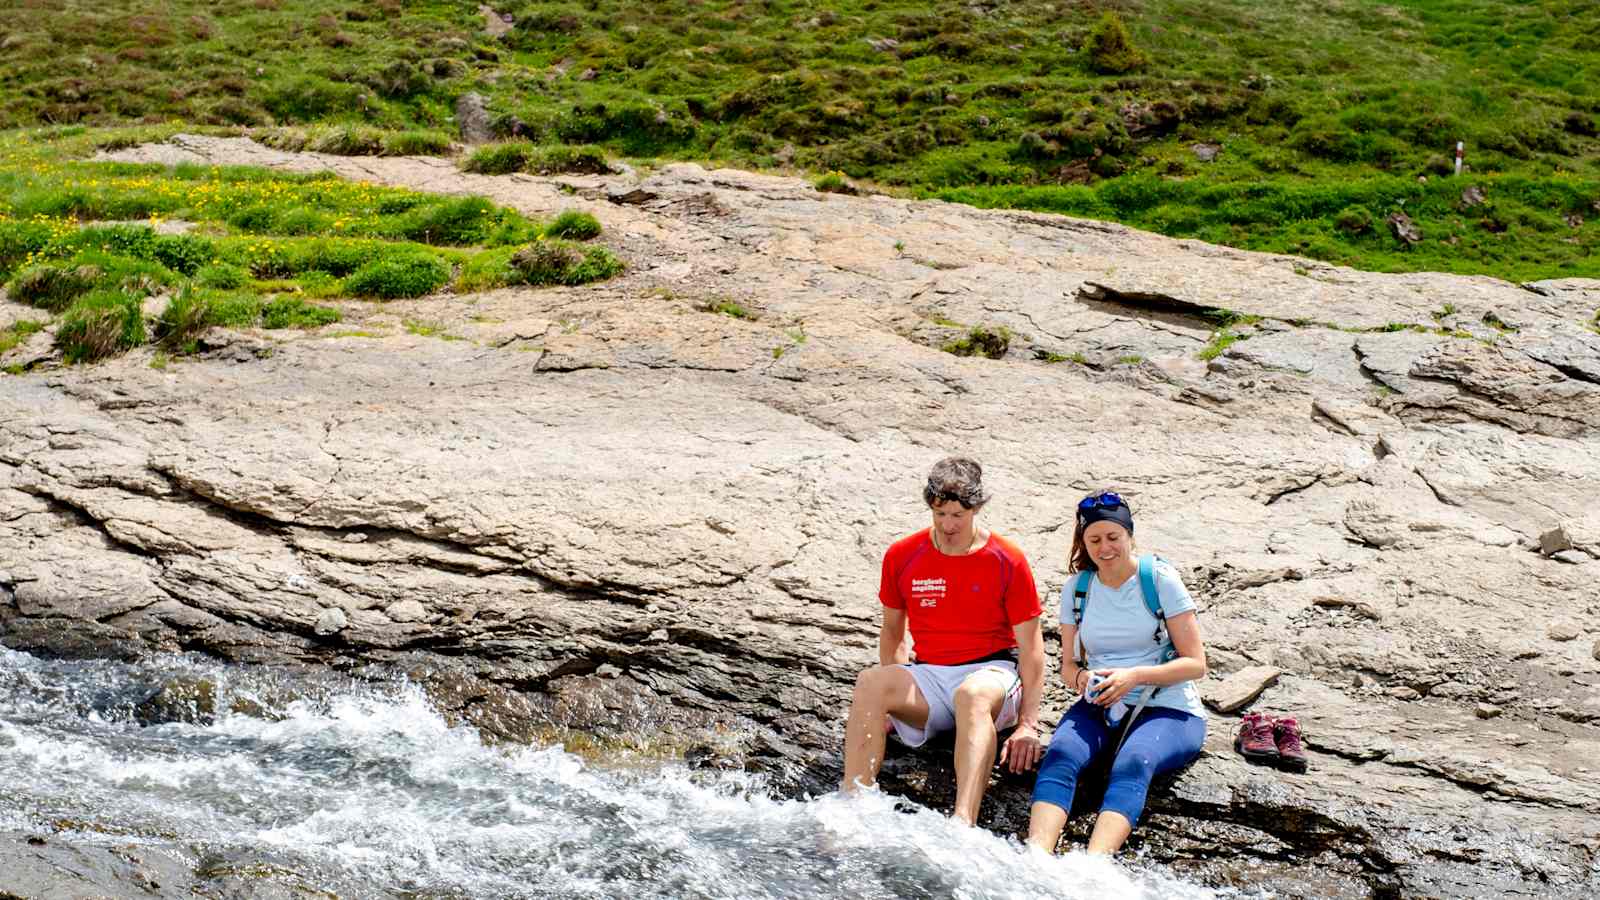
[612,507]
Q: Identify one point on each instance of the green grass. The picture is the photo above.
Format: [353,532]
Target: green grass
[1325,113]
[263,244]
[729,307]
[981,340]
[574,225]
[1220,341]
[524,156]
[18,332]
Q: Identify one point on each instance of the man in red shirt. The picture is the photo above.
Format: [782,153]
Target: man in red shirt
[970,602]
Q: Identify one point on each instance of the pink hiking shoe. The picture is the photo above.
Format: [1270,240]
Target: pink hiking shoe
[1291,746]
[1254,741]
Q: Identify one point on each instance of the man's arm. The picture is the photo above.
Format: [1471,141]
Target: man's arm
[893,649]
[1022,749]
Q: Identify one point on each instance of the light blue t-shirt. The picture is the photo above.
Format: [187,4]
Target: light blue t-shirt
[1119,631]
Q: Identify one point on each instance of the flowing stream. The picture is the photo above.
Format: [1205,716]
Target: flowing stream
[365,790]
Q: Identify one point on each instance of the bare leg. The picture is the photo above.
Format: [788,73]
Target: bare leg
[1045,823]
[978,701]
[1110,830]
[880,692]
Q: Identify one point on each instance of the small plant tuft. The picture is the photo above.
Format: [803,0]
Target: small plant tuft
[293,312]
[53,287]
[573,224]
[546,262]
[982,340]
[1110,48]
[100,324]
[400,275]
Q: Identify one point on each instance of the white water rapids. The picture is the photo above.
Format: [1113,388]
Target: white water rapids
[350,783]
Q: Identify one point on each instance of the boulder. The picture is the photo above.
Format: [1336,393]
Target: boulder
[472,119]
[1239,689]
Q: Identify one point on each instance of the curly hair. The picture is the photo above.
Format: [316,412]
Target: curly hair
[956,478]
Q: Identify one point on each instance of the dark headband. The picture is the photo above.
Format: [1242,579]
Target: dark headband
[1118,514]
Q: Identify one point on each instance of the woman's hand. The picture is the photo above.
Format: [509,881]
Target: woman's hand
[1022,749]
[1117,684]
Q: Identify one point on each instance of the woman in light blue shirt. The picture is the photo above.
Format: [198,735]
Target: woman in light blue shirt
[1141,665]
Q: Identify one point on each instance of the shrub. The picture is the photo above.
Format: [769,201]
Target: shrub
[981,341]
[461,221]
[183,253]
[292,312]
[309,98]
[346,140]
[1110,49]
[570,223]
[409,275]
[499,159]
[834,183]
[17,240]
[53,287]
[416,143]
[487,270]
[101,324]
[562,262]
[183,319]
[225,276]
[525,156]
[1353,220]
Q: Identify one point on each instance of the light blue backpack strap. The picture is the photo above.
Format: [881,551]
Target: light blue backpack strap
[1080,603]
[1152,598]
[1080,597]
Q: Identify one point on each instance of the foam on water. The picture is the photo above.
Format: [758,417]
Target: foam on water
[371,784]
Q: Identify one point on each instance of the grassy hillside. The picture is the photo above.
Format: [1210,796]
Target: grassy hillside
[1322,116]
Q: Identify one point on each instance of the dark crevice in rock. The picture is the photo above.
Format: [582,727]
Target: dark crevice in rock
[1437,494]
[83,517]
[1571,371]
[1274,498]
[1190,314]
[1329,421]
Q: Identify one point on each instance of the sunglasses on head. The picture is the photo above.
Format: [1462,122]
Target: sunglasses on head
[1107,500]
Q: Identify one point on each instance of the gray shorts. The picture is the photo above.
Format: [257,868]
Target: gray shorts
[938,686]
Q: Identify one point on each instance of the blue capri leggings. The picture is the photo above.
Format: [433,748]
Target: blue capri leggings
[1162,740]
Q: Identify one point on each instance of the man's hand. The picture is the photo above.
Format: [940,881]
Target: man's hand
[1022,749]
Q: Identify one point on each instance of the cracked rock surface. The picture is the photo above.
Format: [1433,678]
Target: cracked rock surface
[609,482]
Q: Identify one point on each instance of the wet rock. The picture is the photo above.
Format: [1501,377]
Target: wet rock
[472,119]
[1239,689]
[33,866]
[185,699]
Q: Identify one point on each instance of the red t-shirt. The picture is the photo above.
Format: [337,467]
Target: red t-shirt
[960,608]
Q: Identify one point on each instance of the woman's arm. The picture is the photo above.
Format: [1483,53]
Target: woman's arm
[1184,629]
[1075,677]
